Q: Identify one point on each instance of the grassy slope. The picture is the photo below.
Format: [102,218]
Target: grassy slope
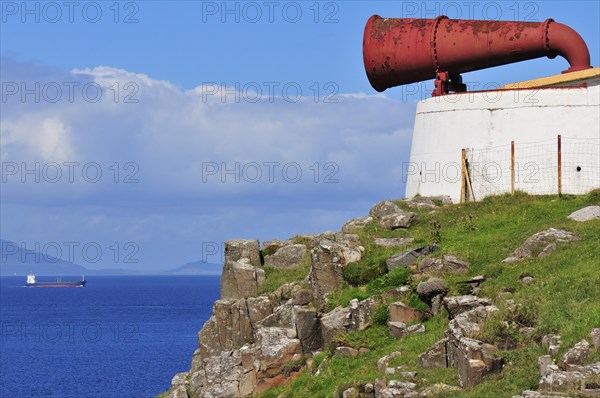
[564,297]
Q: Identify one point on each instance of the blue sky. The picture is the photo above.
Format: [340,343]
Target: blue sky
[189,90]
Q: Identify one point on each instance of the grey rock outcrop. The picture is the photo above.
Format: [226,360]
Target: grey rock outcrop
[431,288]
[357,316]
[397,220]
[400,312]
[459,349]
[586,214]
[456,305]
[241,279]
[308,328]
[595,337]
[409,257]
[393,242]
[449,264]
[384,208]
[330,253]
[286,257]
[578,355]
[355,224]
[541,242]
[238,249]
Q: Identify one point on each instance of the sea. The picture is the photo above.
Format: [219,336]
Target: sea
[119,337]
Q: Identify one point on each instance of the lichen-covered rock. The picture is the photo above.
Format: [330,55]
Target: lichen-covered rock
[384,208]
[438,390]
[357,316]
[535,394]
[308,329]
[355,224]
[435,357]
[330,253]
[276,348]
[430,288]
[586,214]
[241,279]
[228,328]
[578,355]
[286,257]
[393,242]
[400,312]
[458,304]
[346,352]
[409,257]
[539,242]
[421,202]
[395,294]
[397,220]
[384,361]
[236,250]
[595,337]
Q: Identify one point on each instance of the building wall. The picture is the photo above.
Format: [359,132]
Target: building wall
[486,123]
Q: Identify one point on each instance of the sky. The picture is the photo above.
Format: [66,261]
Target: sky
[144,134]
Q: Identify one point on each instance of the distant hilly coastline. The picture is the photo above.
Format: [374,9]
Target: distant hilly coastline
[16,261]
[196,268]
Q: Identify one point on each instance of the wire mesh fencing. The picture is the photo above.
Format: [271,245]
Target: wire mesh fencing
[554,166]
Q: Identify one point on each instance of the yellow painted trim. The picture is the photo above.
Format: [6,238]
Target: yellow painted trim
[555,80]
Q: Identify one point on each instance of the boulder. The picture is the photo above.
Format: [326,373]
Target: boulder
[586,214]
[241,279]
[396,329]
[400,312]
[540,242]
[275,349]
[545,362]
[449,264]
[435,357]
[258,309]
[584,381]
[595,337]
[346,352]
[409,257]
[393,242]
[238,249]
[421,202]
[335,322]
[357,316]
[384,361]
[302,297]
[286,257]
[430,288]
[384,208]
[578,355]
[458,304]
[355,224]
[397,220]
[308,329]
[330,253]
[395,294]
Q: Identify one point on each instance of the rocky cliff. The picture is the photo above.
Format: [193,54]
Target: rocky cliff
[263,335]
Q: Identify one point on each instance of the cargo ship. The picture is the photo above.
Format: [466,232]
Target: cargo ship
[31,282]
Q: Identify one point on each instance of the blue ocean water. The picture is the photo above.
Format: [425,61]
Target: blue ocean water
[121,336]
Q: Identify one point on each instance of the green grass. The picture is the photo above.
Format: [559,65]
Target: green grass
[563,298]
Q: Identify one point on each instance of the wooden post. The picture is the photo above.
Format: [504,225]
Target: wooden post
[559,168]
[463,185]
[512,167]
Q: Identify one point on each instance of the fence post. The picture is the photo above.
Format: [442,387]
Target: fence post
[559,167]
[463,184]
[512,167]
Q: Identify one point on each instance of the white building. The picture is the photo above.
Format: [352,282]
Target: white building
[532,114]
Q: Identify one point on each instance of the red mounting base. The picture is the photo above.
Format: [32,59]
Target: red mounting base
[446,83]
